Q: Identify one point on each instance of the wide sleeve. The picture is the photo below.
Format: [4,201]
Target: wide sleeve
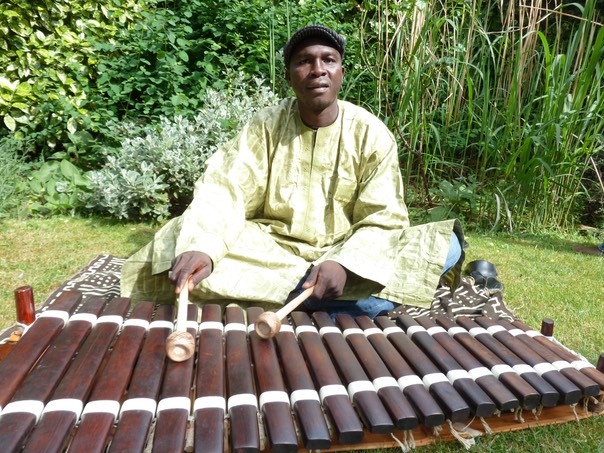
[231,190]
[379,215]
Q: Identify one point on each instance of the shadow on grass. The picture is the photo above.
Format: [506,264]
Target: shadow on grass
[567,243]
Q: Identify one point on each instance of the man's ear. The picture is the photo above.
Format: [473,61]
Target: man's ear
[288,76]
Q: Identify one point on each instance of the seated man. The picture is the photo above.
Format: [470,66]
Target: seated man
[309,193]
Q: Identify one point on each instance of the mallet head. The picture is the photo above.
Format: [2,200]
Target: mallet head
[180,346]
[267,325]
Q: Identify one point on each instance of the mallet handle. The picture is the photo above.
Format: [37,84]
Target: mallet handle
[180,344]
[292,304]
[181,314]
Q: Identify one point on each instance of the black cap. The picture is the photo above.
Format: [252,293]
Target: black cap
[330,37]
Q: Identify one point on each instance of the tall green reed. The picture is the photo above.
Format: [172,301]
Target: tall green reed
[510,93]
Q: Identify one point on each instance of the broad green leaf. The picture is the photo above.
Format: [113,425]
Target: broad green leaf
[72,125]
[51,187]
[11,13]
[68,169]
[9,122]
[24,89]
[5,83]
[46,171]
[439,213]
[36,186]
[23,119]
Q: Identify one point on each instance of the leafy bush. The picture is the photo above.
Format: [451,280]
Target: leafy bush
[152,175]
[57,187]
[12,170]
[52,187]
[456,199]
[164,63]
[68,68]
[47,63]
[592,197]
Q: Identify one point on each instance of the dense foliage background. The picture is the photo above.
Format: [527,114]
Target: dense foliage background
[112,106]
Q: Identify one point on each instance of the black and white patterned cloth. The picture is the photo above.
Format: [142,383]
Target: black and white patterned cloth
[467,300]
[101,277]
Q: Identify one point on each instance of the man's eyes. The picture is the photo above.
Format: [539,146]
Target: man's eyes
[305,61]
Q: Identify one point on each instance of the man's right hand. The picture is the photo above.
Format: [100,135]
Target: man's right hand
[192,267]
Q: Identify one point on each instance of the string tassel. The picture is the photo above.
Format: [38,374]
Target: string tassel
[411,440]
[574,407]
[485,425]
[518,415]
[467,443]
[403,446]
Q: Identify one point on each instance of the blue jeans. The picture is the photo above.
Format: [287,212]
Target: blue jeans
[372,306]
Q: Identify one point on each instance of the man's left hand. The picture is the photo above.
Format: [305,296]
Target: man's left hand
[328,278]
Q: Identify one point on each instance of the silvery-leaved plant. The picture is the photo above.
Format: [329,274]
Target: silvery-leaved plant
[152,175]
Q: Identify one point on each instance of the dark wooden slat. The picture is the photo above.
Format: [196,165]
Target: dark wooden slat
[58,419]
[338,407]
[210,403]
[479,401]
[395,402]
[569,392]
[97,419]
[528,397]
[499,393]
[549,395]
[242,402]
[426,407]
[45,376]
[307,408]
[455,407]
[138,411]
[368,404]
[587,385]
[585,368]
[174,406]
[273,397]
[15,366]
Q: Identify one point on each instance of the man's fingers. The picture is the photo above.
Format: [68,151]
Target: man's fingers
[328,278]
[198,276]
[311,280]
[192,278]
[190,268]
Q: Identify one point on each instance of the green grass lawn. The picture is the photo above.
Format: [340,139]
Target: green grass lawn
[543,278]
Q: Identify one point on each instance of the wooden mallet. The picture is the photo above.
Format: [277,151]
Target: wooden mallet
[268,323]
[180,344]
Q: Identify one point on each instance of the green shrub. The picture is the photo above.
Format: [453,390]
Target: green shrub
[12,170]
[68,68]
[47,65]
[40,188]
[57,187]
[152,175]
[456,199]
[163,65]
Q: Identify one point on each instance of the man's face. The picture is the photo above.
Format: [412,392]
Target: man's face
[315,73]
